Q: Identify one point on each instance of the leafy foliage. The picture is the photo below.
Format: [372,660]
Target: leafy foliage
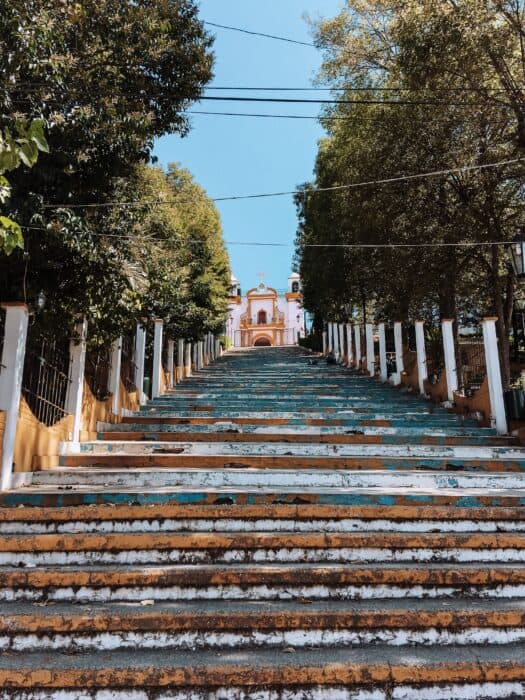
[449,68]
[105,80]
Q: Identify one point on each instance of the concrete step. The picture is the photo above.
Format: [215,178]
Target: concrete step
[256,582]
[248,625]
[132,548]
[263,518]
[85,493]
[511,469]
[379,673]
[464,453]
[157,472]
[231,433]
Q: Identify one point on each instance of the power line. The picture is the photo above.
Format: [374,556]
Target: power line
[333,188]
[465,244]
[262,34]
[345,88]
[292,100]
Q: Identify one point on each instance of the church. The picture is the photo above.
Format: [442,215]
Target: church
[265,317]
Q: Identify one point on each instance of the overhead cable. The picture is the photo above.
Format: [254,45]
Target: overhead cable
[261,34]
[265,195]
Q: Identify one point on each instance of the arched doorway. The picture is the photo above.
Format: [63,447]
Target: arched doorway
[263,342]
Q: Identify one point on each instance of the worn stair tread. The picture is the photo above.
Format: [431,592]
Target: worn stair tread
[401,613]
[65,542]
[299,574]
[300,512]
[351,666]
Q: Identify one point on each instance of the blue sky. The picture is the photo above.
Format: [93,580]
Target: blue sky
[237,155]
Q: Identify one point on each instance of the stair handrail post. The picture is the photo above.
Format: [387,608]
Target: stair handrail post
[140,359]
[114,375]
[187,358]
[358,349]
[180,359]
[449,354]
[157,358]
[75,392]
[422,370]
[336,341]
[383,369]
[398,345]
[13,356]
[342,356]
[370,354]
[349,344]
[492,360]
[171,366]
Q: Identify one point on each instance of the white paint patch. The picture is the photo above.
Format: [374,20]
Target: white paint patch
[245,556]
[268,639]
[471,691]
[87,594]
[463,453]
[289,479]
[230,525]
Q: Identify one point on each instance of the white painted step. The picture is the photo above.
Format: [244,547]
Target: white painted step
[308,479]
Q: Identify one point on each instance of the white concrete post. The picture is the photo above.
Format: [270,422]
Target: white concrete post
[187,359]
[358,351]
[140,357]
[200,361]
[350,357]
[114,375]
[449,353]
[180,359]
[370,354]
[422,372]
[171,373]
[382,353]
[75,392]
[218,351]
[497,405]
[13,354]
[330,338]
[342,341]
[325,342]
[398,344]
[157,359]
[336,340]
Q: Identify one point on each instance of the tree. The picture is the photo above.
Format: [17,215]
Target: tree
[424,60]
[106,79]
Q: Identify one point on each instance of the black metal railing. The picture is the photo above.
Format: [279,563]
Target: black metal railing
[98,367]
[2,335]
[391,364]
[435,353]
[127,363]
[471,365]
[46,377]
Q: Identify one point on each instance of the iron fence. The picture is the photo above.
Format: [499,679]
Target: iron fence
[435,353]
[46,379]
[98,366]
[391,364]
[127,363]
[472,366]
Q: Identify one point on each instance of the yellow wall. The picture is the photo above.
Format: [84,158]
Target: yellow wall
[36,445]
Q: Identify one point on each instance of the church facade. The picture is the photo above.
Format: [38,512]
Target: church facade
[264,317]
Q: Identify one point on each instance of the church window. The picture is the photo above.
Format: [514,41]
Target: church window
[261,318]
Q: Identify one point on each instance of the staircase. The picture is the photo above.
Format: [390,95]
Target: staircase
[273,528]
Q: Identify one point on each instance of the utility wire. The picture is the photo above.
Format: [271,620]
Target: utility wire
[334,188]
[293,100]
[265,36]
[466,244]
